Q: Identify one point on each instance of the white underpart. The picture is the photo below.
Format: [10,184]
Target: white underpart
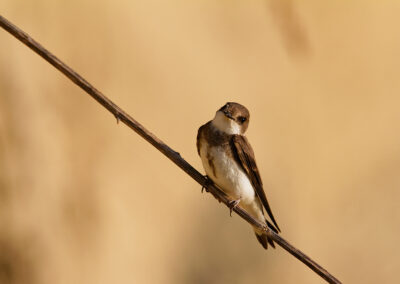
[224,124]
[231,179]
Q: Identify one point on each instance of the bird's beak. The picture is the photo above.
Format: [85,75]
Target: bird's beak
[227,114]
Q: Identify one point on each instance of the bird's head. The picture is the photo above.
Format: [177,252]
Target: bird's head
[232,118]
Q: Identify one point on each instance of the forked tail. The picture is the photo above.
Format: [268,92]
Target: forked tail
[263,237]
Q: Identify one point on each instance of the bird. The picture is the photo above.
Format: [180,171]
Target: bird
[229,162]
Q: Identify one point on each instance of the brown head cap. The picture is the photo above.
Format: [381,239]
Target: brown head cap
[238,113]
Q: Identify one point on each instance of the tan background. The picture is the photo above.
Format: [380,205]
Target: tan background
[84,200]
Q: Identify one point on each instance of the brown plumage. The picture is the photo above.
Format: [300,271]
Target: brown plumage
[244,153]
[221,143]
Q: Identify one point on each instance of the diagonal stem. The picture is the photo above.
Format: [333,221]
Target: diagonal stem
[157,143]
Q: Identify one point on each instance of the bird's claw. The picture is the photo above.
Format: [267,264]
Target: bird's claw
[206,184]
[232,205]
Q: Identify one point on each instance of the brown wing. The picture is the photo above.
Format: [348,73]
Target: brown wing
[245,156]
[198,138]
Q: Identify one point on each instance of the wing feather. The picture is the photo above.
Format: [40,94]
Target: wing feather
[245,156]
[199,132]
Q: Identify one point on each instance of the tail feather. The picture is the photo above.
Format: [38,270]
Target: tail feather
[264,239]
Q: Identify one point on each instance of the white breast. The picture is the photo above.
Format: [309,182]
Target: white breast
[228,174]
[224,124]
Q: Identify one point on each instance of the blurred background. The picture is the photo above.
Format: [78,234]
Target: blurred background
[86,200]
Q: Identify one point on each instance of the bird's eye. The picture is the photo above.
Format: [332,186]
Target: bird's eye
[242,119]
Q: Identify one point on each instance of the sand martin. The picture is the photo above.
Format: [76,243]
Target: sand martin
[229,162]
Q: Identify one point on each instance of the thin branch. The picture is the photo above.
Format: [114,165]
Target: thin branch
[157,143]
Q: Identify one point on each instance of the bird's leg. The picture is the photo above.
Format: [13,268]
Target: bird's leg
[232,205]
[206,184]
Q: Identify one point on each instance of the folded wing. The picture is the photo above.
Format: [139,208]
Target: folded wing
[245,157]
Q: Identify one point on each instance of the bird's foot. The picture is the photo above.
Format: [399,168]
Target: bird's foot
[232,205]
[206,184]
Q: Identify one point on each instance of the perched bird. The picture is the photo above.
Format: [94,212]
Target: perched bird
[229,162]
